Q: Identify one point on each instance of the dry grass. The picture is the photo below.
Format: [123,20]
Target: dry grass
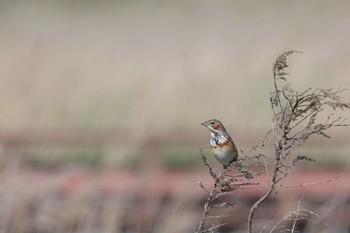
[160,65]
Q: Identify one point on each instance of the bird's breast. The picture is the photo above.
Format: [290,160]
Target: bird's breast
[218,141]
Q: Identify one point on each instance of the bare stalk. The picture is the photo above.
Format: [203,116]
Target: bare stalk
[225,183]
[295,119]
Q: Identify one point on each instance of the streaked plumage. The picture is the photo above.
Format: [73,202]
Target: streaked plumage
[221,143]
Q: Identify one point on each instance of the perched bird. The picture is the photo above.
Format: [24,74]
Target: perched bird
[221,143]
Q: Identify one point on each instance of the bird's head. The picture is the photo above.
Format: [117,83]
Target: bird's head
[214,126]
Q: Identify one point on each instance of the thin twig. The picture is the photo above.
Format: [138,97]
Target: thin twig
[308,184]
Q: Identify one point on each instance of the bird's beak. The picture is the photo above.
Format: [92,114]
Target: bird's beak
[204,124]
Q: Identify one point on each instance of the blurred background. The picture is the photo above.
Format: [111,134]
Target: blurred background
[101,104]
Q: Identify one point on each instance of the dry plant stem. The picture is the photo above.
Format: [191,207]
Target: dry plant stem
[205,213]
[295,119]
[211,195]
[261,200]
[205,161]
[308,184]
[298,214]
[296,218]
[224,184]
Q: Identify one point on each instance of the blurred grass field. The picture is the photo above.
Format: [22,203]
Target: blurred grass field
[161,64]
[132,71]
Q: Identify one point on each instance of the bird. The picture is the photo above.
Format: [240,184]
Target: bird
[221,143]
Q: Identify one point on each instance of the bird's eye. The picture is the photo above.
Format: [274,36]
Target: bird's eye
[212,123]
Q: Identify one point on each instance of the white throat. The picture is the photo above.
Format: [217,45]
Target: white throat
[217,139]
